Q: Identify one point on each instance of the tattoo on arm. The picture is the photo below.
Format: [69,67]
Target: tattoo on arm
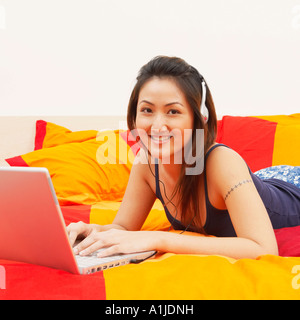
[235,187]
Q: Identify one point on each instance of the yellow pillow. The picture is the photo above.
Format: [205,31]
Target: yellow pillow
[84,172]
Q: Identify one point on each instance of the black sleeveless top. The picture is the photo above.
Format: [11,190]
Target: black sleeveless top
[281,199]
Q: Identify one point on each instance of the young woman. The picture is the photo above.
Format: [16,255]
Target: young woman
[170,106]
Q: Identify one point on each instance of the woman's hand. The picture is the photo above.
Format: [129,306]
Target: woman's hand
[80,230]
[117,241]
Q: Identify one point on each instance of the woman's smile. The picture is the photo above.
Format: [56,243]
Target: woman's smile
[158,139]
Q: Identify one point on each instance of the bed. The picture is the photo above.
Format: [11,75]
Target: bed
[90,174]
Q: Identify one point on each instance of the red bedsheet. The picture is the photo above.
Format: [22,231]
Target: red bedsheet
[26,281]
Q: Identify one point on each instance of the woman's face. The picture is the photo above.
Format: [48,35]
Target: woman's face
[164,119]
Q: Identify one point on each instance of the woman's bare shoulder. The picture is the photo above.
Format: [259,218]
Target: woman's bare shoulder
[144,165]
[225,164]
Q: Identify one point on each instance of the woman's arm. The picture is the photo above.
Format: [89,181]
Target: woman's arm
[135,207]
[138,198]
[237,248]
[228,175]
[120,241]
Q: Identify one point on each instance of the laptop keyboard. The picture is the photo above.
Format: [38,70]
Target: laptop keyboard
[92,259]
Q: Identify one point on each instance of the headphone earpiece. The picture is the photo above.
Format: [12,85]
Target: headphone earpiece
[203,109]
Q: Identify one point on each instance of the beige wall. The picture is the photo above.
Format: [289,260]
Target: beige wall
[81,57]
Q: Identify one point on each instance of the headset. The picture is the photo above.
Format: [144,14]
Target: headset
[203,109]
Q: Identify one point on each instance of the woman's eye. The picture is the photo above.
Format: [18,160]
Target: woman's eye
[146,110]
[173,111]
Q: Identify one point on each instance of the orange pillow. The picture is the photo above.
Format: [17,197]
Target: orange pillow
[50,135]
[82,172]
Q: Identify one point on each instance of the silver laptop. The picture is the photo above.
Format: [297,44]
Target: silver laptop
[32,228]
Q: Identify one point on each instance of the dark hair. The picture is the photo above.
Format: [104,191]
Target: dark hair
[189,81]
